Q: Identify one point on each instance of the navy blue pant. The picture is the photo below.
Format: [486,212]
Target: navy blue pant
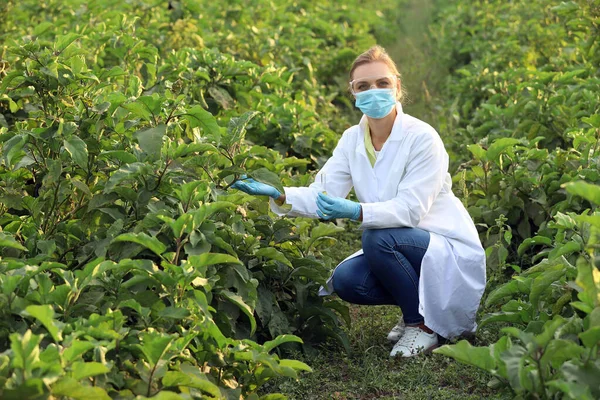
[388,271]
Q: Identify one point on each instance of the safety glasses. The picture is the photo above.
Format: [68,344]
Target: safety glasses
[370,82]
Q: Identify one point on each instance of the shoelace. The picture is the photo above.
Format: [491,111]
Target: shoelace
[410,335]
[408,340]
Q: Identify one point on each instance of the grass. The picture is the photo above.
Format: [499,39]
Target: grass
[369,373]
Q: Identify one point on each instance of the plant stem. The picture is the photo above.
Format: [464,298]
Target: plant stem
[162,174]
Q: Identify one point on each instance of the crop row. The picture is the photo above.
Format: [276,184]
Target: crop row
[523,125]
[127,266]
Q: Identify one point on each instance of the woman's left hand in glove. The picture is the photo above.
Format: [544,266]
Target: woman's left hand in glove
[336,207]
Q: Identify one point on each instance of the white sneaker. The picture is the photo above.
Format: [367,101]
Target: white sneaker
[414,342]
[397,331]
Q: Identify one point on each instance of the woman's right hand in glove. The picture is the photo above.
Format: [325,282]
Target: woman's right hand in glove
[250,186]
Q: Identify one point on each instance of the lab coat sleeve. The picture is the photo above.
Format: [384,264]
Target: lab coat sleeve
[338,182]
[423,180]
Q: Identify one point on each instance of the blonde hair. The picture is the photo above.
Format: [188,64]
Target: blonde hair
[378,54]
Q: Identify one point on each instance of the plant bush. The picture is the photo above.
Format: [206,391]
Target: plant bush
[127,267]
[526,105]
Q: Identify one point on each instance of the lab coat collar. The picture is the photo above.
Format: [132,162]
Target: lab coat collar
[395,135]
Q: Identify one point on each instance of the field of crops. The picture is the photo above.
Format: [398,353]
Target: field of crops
[130,269]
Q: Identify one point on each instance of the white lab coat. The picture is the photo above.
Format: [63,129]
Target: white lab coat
[409,186]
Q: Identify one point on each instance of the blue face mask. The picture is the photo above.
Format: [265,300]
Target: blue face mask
[376,103]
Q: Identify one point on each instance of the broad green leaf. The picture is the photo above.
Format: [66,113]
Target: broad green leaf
[573,390]
[150,242]
[273,396]
[479,357]
[76,349]
[499,146]
[543,282]
[588,278]
[271,344]
[593,120]
[322,231]
[93,269]
[188,191]
[514,317]
[154,346]
[205,211]
[183,224]
[585,374]
[134,305]
[42,27]
[221,96]
[64,41]
[558,351]
[152,103]
[564,249]
[295,364]
[185,149]
[32,388]
[78,151]
[478,152]
[591,337]
[199,117]
[71,388]
[176,313]
[9,241]
[516,370]
[25,350]
[565,7]
[509,289]
[315,274]
[586,190]
[120,155]
[6,80]
[178,378]
[81,186]
[45,314]
[533,241]
[114,98]
[342,309]
[265,176]
[151,140]
[162,395]
[593,220]
[236,129]
[81,370]
[201,261]
[273,254]
[548,265]
[139,110]
[245,308]
[128,172]
[12,149]
[550,328]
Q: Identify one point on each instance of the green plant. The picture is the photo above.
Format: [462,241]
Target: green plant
[553,349]
[128,267]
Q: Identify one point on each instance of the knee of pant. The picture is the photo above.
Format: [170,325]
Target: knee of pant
[372,240]
[343,284]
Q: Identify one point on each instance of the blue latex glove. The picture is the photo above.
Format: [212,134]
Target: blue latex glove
[336,207]
[250,186]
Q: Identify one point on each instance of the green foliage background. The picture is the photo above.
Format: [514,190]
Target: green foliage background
[129,270]
[127,267]
[522,121]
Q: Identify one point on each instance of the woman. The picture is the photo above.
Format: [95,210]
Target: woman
[420,249]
